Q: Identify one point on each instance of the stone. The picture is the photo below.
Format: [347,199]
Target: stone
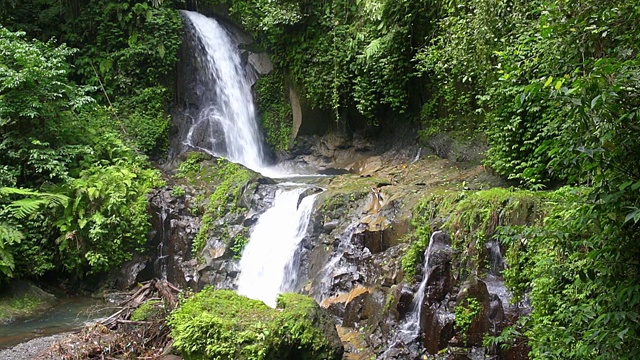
[481,324]
[261,62]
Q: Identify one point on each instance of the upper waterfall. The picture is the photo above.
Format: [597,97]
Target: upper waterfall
[224,122]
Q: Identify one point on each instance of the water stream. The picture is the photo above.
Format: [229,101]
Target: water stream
[269,262]
[410,330]
[225,123]
[66,315]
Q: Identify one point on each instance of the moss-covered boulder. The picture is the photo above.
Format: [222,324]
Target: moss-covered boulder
[220,324]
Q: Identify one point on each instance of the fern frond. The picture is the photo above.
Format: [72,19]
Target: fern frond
[9,235]
[24,207]
[377,46]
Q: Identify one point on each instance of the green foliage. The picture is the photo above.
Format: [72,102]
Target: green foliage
[39,111]
[414,256]
[191,166]
[274,110]
[581,273]
[15,210]
[348,55]
[219,324]
[128,51]
[54,136]
[239,243]
[149,311]
[471,218]
[466,313]
[506,338]
[144,119]
[93,235]
[178,191]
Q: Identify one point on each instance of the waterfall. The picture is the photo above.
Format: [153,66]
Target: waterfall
[409,330]
[411,325]
[224,123]
[416,305]
[268,264]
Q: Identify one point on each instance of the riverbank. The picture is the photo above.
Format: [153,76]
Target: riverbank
[33,349]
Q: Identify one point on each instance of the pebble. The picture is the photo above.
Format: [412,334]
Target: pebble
[32,349]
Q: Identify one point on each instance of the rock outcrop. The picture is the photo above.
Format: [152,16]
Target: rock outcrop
[351,262]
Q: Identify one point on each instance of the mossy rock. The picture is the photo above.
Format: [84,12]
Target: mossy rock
[21,299]
[220,324]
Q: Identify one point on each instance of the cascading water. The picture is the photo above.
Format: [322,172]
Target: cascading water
[224,123]
[268,264]
[409,331]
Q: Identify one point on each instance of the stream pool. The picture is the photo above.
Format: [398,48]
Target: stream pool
[66,315]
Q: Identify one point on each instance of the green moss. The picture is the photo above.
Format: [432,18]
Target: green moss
[150,310]
[178,191]
[191,166]
[14,307]
[275,110]
[220,324]
[471,218]
[231,179]
[239,243]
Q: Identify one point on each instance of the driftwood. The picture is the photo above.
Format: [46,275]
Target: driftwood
[151,289]
[120,337]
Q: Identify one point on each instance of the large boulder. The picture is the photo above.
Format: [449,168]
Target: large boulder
[220,324]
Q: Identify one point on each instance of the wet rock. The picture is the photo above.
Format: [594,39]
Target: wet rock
[454,147]
[126,276]
[436,321]
[437,328]
[405,300]
[307,192]
[261,62]
[481,323]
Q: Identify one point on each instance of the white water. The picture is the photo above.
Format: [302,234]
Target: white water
[268,264]
[409,331]
[230,109]
[412,322]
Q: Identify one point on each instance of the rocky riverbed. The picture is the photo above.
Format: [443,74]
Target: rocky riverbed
[33,349]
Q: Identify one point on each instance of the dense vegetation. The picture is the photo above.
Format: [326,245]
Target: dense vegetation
[554,84]
[74,125]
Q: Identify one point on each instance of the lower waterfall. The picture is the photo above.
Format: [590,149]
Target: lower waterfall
[268,263]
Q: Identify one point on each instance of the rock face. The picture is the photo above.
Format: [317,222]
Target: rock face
[351,261]
[436,320]
[21,298]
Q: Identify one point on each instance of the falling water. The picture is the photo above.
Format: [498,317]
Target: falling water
[225,124]
[416,305]
[409,330]
[267,267]
[417,157]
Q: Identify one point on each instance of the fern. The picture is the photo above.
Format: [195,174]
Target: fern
[20,209]
[8,235]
